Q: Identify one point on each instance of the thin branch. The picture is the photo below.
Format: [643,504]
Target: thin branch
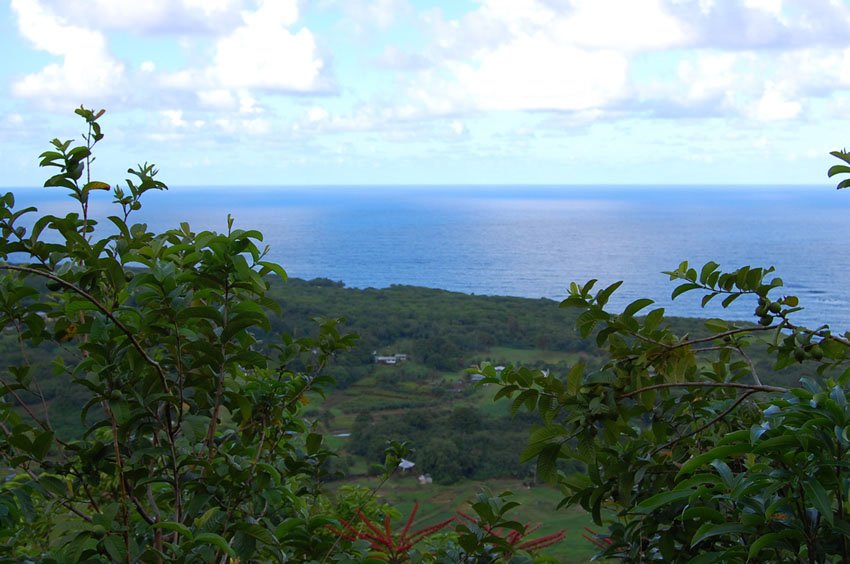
[717,348]
[26,359]
[820,333]
[219,390]
[751,387]
[64,503]
[122,482]
[721,335]
[752,366]
[705,426]
[103,309]
[140,508]
[28,411]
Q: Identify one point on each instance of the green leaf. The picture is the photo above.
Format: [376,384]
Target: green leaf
[574,378]
[238,324]
[717,325]
[547,462]
[603,295]
[54,485]
[313,443]
[96,185]
[706,271]
[727,301]
[816,496]
[114,546]
[663,498]
[653,318]
[527,397]
[703,514]
[272,267]
[720,453]
[710,530]
[724,471]
[215,540]
[771,540]
[837,169]
[682,288]
[841,155]
[41,445]
[175,527]
[258,532]
[782,442]
[637,305]
[707,558]
[707,298]
[539,439]
[199,312]
[74,549]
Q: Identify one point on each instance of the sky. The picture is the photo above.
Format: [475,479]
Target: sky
[287,92]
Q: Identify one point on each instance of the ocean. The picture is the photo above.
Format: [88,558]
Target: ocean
[532,241]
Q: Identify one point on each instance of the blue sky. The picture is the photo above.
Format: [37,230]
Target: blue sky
[282,92]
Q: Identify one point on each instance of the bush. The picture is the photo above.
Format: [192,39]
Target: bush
[193,447]
[688,452]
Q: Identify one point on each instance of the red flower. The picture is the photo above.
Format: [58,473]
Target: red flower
[599,540]
[394,546]
[517,538]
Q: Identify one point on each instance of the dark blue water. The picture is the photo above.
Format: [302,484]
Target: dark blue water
[532,241]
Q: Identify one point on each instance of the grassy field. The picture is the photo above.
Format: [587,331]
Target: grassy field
[380,395]
[526,356]
[537,506]
[368,394]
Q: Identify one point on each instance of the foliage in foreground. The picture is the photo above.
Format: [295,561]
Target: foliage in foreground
[689,455]
[194,445]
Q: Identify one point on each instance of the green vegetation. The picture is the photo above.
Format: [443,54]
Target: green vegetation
[536,506]
[151,412]
[156,407]
[694,457]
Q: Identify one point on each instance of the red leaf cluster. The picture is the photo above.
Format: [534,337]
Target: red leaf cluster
[599,540]
[383,539]
[516,538]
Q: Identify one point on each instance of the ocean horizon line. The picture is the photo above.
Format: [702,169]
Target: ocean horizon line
[670,185]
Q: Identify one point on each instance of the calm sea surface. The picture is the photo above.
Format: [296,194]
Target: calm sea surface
[530,240]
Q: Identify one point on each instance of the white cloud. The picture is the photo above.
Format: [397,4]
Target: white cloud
[218,99]
[394,58]
[772,7]
[317,114]
[147,66]
[255,126]
[367,15]
[264,53]
[558,55]
[714,76]
[637,25]
[751,24]
[458,128]
[774,104]
[535,73]
[87,72]
[248,104]
[152,16]
[174,118]
[317,119]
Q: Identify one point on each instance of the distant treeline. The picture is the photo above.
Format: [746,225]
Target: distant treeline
[442,333]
